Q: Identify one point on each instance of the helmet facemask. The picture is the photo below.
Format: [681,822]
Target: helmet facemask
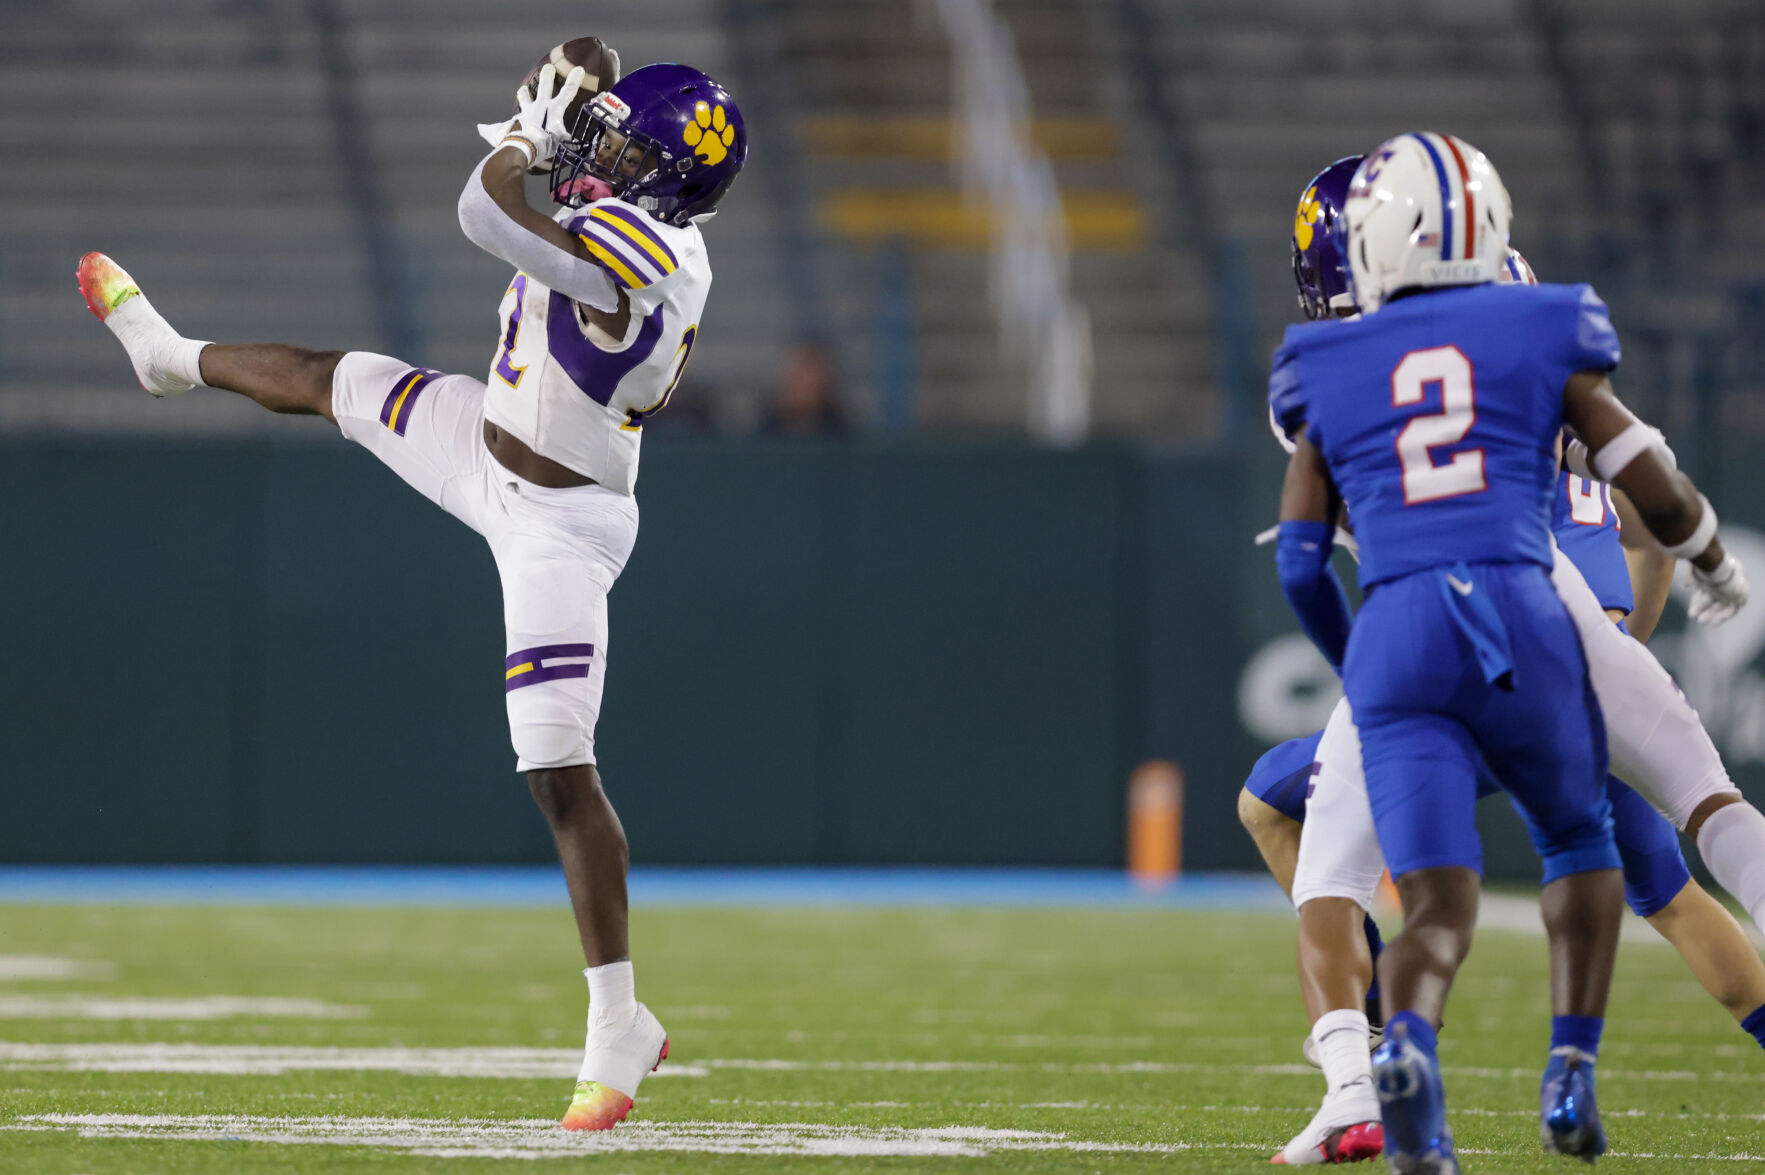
[601,149]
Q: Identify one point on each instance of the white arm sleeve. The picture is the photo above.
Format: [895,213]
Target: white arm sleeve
[496,232]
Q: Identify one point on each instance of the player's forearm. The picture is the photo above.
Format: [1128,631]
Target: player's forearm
[1672,510]
[495,216]
[1628,454]
[1302,559]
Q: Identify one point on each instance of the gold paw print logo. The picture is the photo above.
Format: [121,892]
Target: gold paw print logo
[1305,220]
[709,134]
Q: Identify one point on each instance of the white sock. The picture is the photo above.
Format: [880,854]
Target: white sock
[1341,1037]
[157,350]
[183,358]
[1732,842]
[612,994]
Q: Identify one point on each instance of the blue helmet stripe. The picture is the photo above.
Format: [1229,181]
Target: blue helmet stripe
[1445,196]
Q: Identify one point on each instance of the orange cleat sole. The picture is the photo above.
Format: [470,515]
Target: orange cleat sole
[597,1107]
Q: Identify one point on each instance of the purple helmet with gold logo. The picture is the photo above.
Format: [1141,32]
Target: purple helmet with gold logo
[1318,267]
[667,138]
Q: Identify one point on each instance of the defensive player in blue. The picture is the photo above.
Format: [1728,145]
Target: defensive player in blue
[1332,870]
[1436,419]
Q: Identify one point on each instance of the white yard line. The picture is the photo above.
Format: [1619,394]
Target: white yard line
[214,1007]
[276,1059]
[541,1138]
[539,1062]
[536,1138]
[35,967]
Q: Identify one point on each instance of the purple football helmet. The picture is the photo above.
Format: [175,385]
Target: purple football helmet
[1318,267]
[666,138]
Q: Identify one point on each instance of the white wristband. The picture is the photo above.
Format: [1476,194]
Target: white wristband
[522,145]
[1700,538]
[1622,449]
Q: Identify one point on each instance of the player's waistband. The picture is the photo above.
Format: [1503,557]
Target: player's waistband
[1498,566]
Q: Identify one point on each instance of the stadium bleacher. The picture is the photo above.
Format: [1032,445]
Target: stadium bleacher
[288,170]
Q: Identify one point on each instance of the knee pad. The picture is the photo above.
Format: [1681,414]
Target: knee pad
[547,728]
[539,746]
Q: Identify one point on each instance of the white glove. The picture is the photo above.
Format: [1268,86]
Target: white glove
[494,132]
[538,125]
[1343,539]
[1717,595]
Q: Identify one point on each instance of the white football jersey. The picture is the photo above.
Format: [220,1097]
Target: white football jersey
[570,391]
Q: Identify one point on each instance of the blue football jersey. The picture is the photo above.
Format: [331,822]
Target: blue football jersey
[1586,526]
[1438,417]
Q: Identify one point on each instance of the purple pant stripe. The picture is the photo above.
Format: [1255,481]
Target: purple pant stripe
[398,386]
[403,398]
[543,673]
[546,652]
[410,401]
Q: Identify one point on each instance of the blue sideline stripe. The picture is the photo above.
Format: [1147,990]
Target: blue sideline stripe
[326,885]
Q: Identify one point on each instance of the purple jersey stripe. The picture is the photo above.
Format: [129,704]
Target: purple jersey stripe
[547,653]
[543,673]
[1445,196]
[637,222]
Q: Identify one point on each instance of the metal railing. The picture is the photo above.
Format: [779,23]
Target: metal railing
[1041,326]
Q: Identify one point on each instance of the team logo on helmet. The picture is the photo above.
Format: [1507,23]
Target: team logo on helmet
[709,133]
[1305,221]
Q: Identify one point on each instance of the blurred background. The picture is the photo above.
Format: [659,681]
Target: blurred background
[948,528]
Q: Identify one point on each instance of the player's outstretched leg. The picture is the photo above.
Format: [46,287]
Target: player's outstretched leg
[625,1041]
[279,377]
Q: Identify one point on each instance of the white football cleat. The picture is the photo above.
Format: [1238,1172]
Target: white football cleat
[614,1064]
[1346,1129]
[117,301]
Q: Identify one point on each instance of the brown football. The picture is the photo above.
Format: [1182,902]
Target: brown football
[600,64]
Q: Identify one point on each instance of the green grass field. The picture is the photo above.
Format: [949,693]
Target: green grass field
[803,1040]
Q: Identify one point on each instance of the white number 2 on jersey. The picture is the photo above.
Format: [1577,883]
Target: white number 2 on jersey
[1423,480]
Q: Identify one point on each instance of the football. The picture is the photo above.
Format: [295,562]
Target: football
[600,64]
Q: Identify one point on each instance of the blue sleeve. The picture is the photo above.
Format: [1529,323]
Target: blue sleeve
[1302,559]
[1285,398]
[1594,344]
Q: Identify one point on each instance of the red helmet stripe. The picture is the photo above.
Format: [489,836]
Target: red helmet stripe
[1452,145]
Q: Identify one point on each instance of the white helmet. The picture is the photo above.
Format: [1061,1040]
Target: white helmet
[1423,210]
[1516,271]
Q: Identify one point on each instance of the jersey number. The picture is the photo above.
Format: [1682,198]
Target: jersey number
[1423,480]
[506,370]
[1588,501]
[635,417]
